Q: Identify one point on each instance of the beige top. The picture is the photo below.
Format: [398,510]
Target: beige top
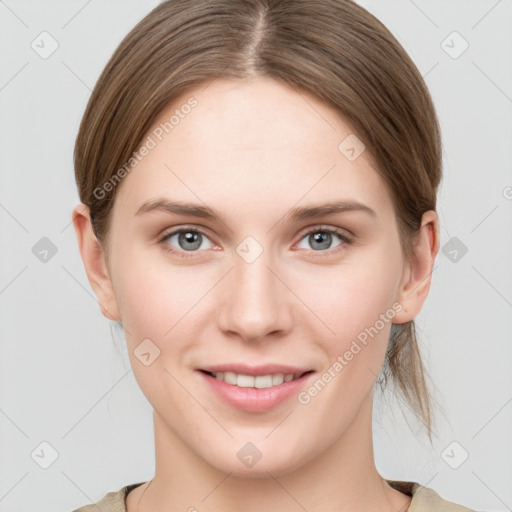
[424,499]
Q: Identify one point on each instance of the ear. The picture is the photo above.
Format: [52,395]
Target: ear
[95,265]
[417,275]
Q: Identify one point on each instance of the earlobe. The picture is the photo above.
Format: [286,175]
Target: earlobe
[93,257]
[417,275]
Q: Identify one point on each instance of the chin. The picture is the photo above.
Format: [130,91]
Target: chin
[275,463]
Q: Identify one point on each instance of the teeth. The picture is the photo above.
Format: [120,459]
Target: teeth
[245,381]
[260,381]
[230,378]
[278,378]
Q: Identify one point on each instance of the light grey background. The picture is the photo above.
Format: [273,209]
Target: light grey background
[65,382]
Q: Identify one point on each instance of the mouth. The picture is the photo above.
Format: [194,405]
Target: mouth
[255,381]
[254,389]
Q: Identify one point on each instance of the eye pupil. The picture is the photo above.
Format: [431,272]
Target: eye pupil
[190,237]
[323,238]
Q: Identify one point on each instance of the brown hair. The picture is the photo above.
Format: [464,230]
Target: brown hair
[333,49]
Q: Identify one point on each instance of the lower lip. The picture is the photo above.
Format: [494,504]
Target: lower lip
[255,399]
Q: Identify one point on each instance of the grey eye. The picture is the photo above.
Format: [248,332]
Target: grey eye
[321,239]
[188,239]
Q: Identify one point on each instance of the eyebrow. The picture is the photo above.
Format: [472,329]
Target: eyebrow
[295,214]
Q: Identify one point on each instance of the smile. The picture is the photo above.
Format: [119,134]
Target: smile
[255,393]
[258,381]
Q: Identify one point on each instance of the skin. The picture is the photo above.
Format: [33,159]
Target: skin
[252,150]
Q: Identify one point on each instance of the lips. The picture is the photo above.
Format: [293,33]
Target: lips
[254,388]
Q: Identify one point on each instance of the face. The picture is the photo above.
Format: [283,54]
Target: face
[259,286]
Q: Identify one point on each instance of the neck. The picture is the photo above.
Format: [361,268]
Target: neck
[342,478]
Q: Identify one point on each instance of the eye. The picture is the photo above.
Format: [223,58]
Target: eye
[186,239]
[321,238]
[190,240]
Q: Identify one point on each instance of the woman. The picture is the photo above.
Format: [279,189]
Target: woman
[295,147]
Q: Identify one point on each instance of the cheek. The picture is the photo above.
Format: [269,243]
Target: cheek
[162,302]
[352,296]
[157,308]
[151,293]
[355,302]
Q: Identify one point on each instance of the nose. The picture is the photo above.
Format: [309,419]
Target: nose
[254,301]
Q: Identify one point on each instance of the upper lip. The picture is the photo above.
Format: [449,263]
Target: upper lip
[245,369]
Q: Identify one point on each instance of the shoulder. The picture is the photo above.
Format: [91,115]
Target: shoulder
[113,501]
[425,499]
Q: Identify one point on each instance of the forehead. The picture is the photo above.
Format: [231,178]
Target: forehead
[251,145]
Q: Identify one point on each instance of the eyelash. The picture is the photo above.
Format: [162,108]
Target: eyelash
[183,254]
